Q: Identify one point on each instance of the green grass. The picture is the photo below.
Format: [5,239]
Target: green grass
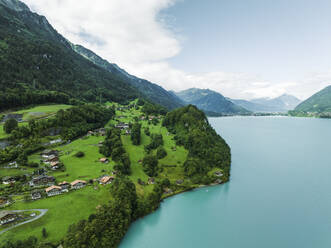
[41,111]
[63,210]
[4,135]
[14,172]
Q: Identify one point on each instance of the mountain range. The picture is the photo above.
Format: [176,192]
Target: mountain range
[211,102]
[280,104]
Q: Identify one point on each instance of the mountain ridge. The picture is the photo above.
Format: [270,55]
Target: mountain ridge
[210,101]
[282,103]
[319,102]
[151,91]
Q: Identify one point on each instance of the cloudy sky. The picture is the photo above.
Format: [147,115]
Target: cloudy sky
[240,48]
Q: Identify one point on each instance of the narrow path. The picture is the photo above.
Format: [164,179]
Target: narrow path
[42,213]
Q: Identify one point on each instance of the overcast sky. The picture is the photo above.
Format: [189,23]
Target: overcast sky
[240,48]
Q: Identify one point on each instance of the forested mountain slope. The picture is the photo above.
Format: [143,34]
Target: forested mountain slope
[319,102]
[152,92]
[37,65]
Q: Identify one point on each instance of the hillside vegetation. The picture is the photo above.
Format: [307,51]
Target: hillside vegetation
[153,157]
[152,92]
[39,66]
[319,102]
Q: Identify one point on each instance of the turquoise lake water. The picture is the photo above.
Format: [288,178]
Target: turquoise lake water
[279,195]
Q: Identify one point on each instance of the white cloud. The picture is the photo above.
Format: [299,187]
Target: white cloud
[129,33]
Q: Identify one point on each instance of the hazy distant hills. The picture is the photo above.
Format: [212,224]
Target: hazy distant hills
[282,103]
[319,102]
[210,101]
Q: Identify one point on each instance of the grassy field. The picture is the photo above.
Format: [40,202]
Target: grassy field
[37,112]
[4,135]
[63,210]
[41,111]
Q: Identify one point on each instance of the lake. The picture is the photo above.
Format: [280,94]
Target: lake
[279,194]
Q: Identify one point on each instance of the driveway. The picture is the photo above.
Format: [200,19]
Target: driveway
[42,213]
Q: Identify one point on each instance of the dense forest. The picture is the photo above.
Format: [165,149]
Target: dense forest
[37,65]
[207,149]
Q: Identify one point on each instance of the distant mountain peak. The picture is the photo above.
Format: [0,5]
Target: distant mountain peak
[15,5]
[210,101]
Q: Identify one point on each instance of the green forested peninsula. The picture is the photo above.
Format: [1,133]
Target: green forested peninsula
[131,164]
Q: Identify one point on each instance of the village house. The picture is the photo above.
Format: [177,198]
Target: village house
[78,184]
[52,142]
[122,126]
[151,180]
[8,180]
[65,186]
[101,131]
[218,181]
[7,217]
[12,165]
[180,181]
[35,195]
[42,180]
[128,132]
[55,165]
[114,172]
[168,191]
[52,158]
[47,153]
[218,174]
[4,201]
[53,190]
[106,180]
[104,160]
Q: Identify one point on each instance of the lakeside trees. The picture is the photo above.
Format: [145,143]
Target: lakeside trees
[206,148]
[106,228]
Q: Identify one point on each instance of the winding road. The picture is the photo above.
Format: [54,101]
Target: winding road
[42,213]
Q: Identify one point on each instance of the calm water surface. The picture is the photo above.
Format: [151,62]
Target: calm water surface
[279,195]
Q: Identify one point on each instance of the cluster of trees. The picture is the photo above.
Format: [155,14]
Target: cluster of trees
[156,141]
[206,148]
[70,123]
[107,227]
[136,134]
[113,146]
[153,109]
[31,242]
[10,125]
[150,163]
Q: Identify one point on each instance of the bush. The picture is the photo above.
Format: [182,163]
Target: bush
[150,165]
[10,125]
[161,152]
[80,154]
